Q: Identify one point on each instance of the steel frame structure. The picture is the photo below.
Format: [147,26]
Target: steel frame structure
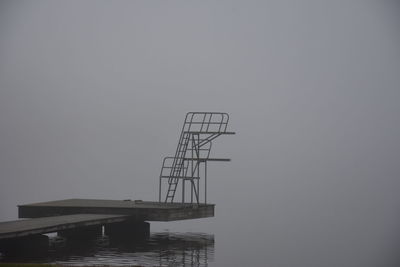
[193,149]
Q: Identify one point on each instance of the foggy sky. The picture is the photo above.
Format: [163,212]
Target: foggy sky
[93,94]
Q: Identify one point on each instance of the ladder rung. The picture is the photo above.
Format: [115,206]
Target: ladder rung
[209,132]
[180,177]
[205,123]
[183,167]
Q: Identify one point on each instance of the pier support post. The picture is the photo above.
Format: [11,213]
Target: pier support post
[27,245]
[129,230]
[87,232]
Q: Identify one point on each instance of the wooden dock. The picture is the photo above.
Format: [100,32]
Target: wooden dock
[83,218]
[136,210]
[22,228]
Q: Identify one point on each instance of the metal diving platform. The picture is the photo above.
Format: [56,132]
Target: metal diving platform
[182,174]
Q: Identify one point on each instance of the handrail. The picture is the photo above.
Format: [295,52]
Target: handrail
[192,150]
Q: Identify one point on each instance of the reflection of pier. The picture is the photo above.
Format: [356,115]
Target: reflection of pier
[160,249]
[186,249]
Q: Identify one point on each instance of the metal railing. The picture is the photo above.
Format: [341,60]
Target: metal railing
[193,149]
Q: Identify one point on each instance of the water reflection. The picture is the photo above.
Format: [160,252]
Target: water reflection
[160,249]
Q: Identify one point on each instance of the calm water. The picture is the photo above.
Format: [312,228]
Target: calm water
[161,249]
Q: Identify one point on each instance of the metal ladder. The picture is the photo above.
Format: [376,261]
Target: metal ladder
[178,169]
[194,146]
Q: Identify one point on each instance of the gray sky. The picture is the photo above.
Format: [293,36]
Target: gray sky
[93,94]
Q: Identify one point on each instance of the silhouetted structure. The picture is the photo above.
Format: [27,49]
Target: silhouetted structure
[194,147]
[86,217]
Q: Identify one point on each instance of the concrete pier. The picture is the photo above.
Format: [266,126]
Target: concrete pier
[128,230]
[27,245]
[87,232]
